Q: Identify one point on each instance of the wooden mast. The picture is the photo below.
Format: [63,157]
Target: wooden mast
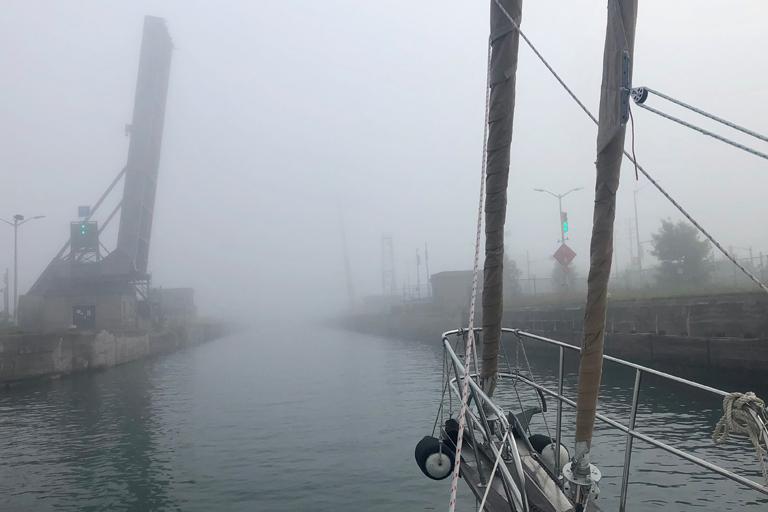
[614,111]
[504,41]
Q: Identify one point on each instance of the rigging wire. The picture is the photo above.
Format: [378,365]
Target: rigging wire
[470,349]
[641,93]
[703,131]
[445,380]
[533,379]
[634,157]
[640,168]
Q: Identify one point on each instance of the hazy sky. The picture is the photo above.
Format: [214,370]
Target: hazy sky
[284,116]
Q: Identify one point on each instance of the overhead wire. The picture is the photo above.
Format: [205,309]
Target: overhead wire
[639,167]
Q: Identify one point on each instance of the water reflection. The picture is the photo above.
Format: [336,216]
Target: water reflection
[89,440]
[283,421]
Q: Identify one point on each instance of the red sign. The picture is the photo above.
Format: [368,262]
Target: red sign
[564,255]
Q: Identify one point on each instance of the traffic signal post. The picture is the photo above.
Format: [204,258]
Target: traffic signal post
[563,215]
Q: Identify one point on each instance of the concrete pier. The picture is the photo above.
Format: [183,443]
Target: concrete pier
[35,355]
[725,331]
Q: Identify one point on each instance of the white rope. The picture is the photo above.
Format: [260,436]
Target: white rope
[638,167]
[744,413]
[470,344]
[493,471]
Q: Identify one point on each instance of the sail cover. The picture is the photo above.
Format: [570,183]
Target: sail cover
[503,67]
[617,76]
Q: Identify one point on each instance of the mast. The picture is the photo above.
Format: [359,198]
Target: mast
[614,111]
[501,107]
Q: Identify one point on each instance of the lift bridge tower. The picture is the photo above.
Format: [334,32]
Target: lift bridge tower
[85,284]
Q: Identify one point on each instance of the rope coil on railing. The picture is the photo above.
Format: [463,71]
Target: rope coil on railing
[745,414]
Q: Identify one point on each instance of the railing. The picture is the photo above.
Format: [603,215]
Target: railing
[628,429]
[514,486]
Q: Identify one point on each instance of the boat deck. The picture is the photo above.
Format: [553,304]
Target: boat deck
[542,492]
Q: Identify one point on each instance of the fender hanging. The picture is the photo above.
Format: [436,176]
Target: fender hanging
[434,458]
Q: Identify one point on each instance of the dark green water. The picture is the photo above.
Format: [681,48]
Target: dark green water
[298,419]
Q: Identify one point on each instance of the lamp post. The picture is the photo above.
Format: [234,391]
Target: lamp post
[18,220]
[559,207]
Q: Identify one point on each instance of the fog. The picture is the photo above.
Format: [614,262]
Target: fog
[284,118]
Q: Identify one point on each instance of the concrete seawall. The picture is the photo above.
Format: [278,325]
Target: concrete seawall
[35,355]
[665,351]
[654,349]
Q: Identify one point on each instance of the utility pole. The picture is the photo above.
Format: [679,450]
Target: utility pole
[18,220]
[426,265]
[631,243]
[637,236]
[418,274]
[528,271]
[631,253]
[6,312]
[527,264]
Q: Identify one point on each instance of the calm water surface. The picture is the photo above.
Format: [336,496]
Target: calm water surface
[301,419]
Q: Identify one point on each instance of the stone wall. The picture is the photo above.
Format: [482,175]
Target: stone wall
[717,332]
[742,315]
[54,313]
[30,355]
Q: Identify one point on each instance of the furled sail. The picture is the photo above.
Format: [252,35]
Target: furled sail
[617,78]
[503,68]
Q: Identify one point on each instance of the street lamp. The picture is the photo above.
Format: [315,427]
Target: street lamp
[18,220]
[563,218]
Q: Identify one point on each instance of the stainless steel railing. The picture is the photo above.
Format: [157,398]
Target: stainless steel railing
[514,485]
[628,429]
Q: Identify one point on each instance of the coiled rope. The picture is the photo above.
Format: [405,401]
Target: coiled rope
[745,414]
[469,349]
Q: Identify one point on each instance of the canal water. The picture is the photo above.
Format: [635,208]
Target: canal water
[293,419]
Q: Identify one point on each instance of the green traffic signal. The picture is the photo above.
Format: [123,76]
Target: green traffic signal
[565,227]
